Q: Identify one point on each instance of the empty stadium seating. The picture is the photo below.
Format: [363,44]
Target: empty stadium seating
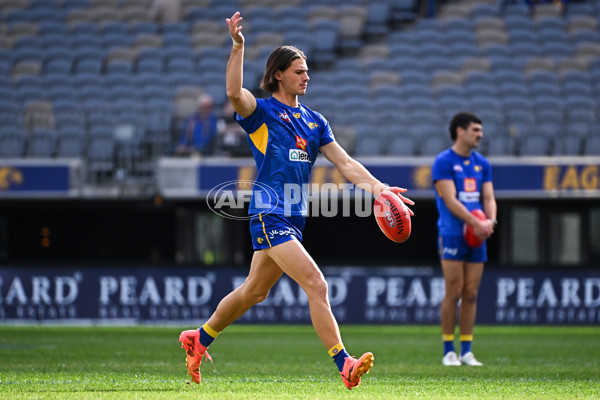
[74,72]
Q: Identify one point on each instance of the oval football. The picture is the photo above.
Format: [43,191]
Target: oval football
[472,240]
[392,216]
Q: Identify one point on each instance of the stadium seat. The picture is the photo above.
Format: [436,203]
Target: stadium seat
[12,143]
[42,144]
[402,146]
[368,145]
[535,145]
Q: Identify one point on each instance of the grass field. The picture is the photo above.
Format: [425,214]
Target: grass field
[289,362]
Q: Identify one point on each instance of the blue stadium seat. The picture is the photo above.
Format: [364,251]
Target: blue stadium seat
[584,36]
[535,145]
[143,28]
[472,77]
[577,89]
[498,146]
[557,51]
[549,22]
[542,76]
[548,109]
[402,146]
[70,146]
[506,89]
[42,144]
[592,146]
[484,10]
[52,28]
[434,145]
[517,22]
[12,142]
[113,40]
[47,14]
[58,66]
[371,145]
[378,18]
[522,36]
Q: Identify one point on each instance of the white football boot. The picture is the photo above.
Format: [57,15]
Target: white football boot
[469,359]
[451,360]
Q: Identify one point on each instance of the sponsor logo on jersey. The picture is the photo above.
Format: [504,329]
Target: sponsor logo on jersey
[458,168]
[470,185]
[470,197]
[297,115]
[300,143]
[478,168]
[299,155]
[284,117]
[313,125]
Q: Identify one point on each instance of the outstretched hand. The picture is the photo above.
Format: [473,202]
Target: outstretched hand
[235,29]
[397,190]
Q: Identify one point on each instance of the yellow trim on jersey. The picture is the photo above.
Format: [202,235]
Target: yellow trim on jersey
[466,338]
[447,338]
[210,331]
[264,230]
[335,349]
[260,137]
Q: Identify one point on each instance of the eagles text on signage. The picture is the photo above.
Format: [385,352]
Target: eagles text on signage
[571,177]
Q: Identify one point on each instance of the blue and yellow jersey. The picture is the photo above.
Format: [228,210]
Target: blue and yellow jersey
[468,175]
[285,142]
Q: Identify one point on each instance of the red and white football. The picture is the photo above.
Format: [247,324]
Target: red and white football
[392,216]
[470,238]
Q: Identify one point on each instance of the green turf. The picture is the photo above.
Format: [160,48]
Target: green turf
[289,362]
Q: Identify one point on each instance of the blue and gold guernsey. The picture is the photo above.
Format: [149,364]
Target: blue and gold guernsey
[285,142]
[468,175]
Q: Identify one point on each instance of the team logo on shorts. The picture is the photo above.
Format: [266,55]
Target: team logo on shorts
[284,117]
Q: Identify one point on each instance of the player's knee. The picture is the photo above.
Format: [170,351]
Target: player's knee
[469,296]
[316,287]
[255,295]
[453,295]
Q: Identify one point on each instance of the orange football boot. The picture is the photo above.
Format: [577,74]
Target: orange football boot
[190,342]
[354,369]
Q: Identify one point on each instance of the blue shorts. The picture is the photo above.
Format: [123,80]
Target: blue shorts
[452,247]
[271,229]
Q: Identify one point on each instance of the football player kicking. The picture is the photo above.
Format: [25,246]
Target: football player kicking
[285,138]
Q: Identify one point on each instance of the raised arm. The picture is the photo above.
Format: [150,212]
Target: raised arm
[242,100]
[356,173]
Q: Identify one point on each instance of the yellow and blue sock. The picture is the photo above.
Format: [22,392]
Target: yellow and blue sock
[448,343]
[339,354]
[207,335]
[465,344]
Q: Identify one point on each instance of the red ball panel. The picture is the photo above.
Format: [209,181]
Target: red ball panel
[472,240]
[392,216]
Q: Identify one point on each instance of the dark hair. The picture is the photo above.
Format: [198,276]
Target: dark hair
[280,59]
[462,119]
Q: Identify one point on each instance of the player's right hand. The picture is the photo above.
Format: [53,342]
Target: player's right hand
[235,29]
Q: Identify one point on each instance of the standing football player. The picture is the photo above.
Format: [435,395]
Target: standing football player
[285,138]
[463,182]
